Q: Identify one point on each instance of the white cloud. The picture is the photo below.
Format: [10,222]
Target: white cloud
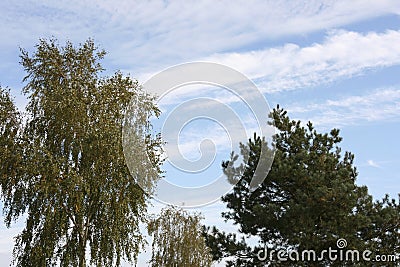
[7,243]
[380,105]
[342,54]
[147,35]
[372,163]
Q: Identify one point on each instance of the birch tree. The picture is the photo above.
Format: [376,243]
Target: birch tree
[82,204]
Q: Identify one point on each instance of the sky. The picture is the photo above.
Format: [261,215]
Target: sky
[335,63]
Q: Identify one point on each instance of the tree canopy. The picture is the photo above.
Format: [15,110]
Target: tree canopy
[308,201]
[64,167]
[178,240]
[10,128]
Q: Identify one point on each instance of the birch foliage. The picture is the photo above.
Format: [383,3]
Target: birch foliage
[82,203]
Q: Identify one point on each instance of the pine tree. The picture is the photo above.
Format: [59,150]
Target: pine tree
[308,201]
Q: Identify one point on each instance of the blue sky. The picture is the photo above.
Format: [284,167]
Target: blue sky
[336,63]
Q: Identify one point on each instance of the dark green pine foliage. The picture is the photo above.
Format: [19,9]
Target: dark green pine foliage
[308,201]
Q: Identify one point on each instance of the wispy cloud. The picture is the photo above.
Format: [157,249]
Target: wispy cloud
[342,54]
[144,36]
[372,163]
[380,104]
